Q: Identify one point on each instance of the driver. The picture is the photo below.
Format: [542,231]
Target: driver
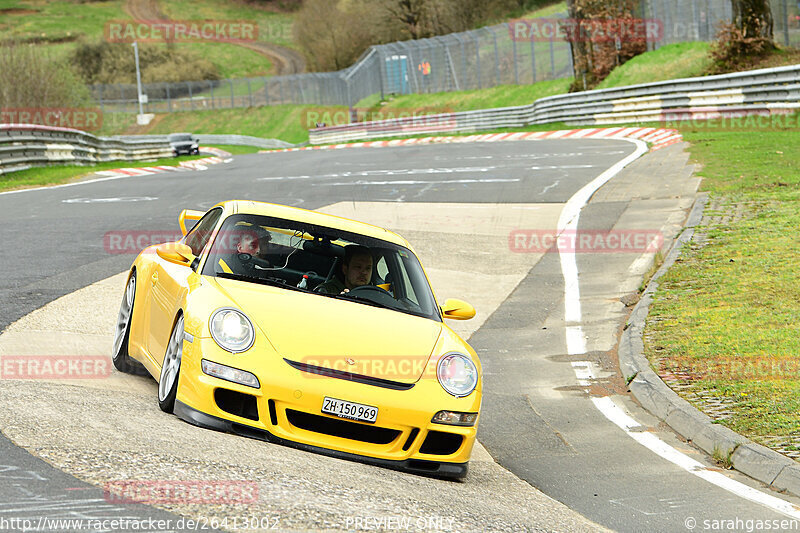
[356,271]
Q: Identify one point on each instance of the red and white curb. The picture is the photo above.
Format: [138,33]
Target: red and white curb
[195,164]
[657,137]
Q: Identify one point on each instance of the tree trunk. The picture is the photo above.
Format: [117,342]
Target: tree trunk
[579,49]
[753,17]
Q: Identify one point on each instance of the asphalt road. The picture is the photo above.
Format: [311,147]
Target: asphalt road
[537,422]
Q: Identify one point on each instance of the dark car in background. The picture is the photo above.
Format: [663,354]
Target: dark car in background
[183,143]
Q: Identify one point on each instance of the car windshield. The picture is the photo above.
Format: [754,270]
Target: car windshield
[297,255]
[180,137]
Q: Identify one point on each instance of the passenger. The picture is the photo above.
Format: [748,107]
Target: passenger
[251,246]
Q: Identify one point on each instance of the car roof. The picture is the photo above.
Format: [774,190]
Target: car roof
[312,217]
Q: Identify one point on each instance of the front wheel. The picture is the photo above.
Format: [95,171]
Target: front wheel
[171,369]
[122,360]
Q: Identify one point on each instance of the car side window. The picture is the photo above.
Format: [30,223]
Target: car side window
[197,238]
[381,268]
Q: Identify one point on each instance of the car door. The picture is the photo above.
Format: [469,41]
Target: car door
[169,283]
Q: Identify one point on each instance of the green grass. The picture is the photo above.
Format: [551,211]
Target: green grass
[235,149]
[51,21]
[232,61]
[500,96]
[285,122]
[728,312]
[547,12]
[272,27]
[54,175]
[673,61]
[58,20]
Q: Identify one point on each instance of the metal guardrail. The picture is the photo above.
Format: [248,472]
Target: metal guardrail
[23,146]
[210,138]
[765,91]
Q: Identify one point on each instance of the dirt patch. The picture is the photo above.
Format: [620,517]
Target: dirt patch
[273,6]
[608,361]
[18,11]
[284,60]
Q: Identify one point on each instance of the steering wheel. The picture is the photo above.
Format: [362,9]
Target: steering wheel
[252,262]
[373,293]
[370,288]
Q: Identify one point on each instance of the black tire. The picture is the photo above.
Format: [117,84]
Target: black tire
[171,368]
[120,357]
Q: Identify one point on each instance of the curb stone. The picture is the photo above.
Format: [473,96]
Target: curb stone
[754,460]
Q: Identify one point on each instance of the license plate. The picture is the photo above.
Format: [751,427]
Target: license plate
[353,411]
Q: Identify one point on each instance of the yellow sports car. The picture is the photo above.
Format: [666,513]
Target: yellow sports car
[304,329]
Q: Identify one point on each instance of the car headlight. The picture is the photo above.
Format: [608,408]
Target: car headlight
[231,329]
[457,374]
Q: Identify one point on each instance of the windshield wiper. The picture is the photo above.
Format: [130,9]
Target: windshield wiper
[274,282]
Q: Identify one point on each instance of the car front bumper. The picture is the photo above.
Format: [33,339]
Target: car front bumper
[286,409]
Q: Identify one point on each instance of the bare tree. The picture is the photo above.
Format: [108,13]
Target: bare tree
[600,38]
[753,18]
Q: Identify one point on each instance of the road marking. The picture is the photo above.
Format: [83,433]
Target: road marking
[417,182]
[634,429]
[389,172]
[109,200]
[555,183]
[576,345]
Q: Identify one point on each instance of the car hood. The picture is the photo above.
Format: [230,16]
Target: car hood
[320,331]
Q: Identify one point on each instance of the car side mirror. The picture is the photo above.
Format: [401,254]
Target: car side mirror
[188,218]
[457,309]
[175,252]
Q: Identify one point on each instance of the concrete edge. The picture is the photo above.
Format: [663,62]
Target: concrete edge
[757,461]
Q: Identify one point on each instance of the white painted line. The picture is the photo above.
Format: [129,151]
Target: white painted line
[109,178]
[639,266]
[109,200]
[417,182]
[568,221]
[576,344]
[618,415]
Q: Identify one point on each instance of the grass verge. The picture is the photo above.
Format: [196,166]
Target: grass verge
[55,175]
[725,323]
[288,123]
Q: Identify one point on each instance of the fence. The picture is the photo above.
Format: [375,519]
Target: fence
[24,145]
[475,59]
[764,91]
[698,20]
[460,61]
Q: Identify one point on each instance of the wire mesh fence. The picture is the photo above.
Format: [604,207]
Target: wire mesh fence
[477,59]
[699,20]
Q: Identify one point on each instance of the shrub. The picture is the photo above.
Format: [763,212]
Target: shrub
[104,62]
[733,50]
[32,78]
